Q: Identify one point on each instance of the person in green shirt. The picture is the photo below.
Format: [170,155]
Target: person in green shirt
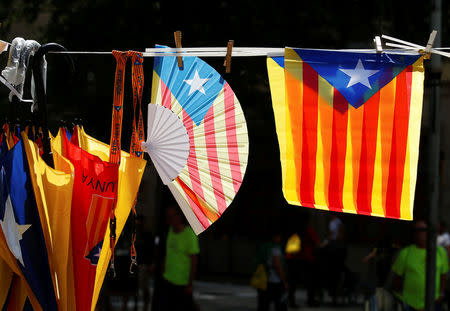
[409,271]
[180,264]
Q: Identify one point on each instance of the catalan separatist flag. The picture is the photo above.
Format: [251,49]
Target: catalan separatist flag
[21,227]
[348,126]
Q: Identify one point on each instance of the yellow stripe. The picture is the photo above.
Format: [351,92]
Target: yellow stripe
[325,106]
[377,202]
[382,155]
[412,155]
[348,190]
[293,68]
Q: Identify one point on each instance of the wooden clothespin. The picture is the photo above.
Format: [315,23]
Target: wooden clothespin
[430,44]
[227,62]
[378,46]
[177,36]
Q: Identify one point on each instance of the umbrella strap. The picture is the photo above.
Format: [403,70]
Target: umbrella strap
[117,112]
[133,254]
[137,73]
[116,134]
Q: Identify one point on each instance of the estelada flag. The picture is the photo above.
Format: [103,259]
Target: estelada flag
[22,229]
[348,126]
[94,193]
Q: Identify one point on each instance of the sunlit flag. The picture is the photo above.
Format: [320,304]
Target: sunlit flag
[348,126]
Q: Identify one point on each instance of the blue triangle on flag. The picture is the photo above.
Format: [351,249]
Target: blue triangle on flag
[118,108]
[357,75]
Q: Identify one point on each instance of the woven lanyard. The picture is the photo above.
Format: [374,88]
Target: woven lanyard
[137,136]
[137,73]
[117,112]
[116,134]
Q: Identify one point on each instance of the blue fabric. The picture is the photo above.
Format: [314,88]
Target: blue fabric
[16,195]
[333,65]
[197,103]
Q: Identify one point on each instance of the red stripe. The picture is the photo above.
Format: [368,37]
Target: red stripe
[166,95]
[192,158]
[399,143]
[367,157]
[194,204]
[309,134]
[213,163]
[233,150]
[338,151]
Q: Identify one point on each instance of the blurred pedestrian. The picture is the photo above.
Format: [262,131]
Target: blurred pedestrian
[310,244]
[293,265]
[443,240]
[409,271]
[382,256]
[276,277]
[180,264]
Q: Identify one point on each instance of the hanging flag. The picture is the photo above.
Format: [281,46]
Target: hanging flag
[196,137]
[348,126]
[21,225]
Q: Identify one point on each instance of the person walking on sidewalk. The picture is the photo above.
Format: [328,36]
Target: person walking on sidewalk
[277,285]
[180,264]
[409,271]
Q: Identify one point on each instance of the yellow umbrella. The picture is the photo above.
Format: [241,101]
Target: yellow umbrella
[53,192]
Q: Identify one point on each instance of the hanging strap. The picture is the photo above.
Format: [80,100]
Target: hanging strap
[115,143]
[137,137]
[117,112]
[137,72]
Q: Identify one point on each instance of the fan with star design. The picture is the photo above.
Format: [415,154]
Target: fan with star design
[197,137]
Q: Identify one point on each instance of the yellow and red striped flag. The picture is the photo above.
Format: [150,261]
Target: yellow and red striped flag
[348,126]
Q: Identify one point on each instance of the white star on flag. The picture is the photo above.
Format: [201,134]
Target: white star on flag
[13,231]
[359,75]
[196,83]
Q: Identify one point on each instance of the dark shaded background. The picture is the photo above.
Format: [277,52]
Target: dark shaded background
[124,25]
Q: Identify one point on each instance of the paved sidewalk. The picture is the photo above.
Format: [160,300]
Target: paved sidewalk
[227,296]
[212,296]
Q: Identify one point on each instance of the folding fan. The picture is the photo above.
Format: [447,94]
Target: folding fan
[196,137]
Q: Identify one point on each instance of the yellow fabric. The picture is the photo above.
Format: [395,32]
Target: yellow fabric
[294,244]
[283,126]
[5,281]
[53,192]
[18,295]
[131,170]
[9,258]
[259,278]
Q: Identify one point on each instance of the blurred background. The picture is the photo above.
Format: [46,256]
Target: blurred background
[228,246]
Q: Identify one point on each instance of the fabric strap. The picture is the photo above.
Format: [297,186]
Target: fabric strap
[137,133]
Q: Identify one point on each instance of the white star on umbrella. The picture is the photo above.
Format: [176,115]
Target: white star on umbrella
[196,83]
[13,231]
[359,75]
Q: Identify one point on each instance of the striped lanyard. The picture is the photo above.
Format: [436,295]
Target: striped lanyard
[137,135]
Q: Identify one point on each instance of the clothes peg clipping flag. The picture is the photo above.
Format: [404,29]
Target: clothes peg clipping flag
[378,46]
[227,62]
[177,37]
[430,44]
